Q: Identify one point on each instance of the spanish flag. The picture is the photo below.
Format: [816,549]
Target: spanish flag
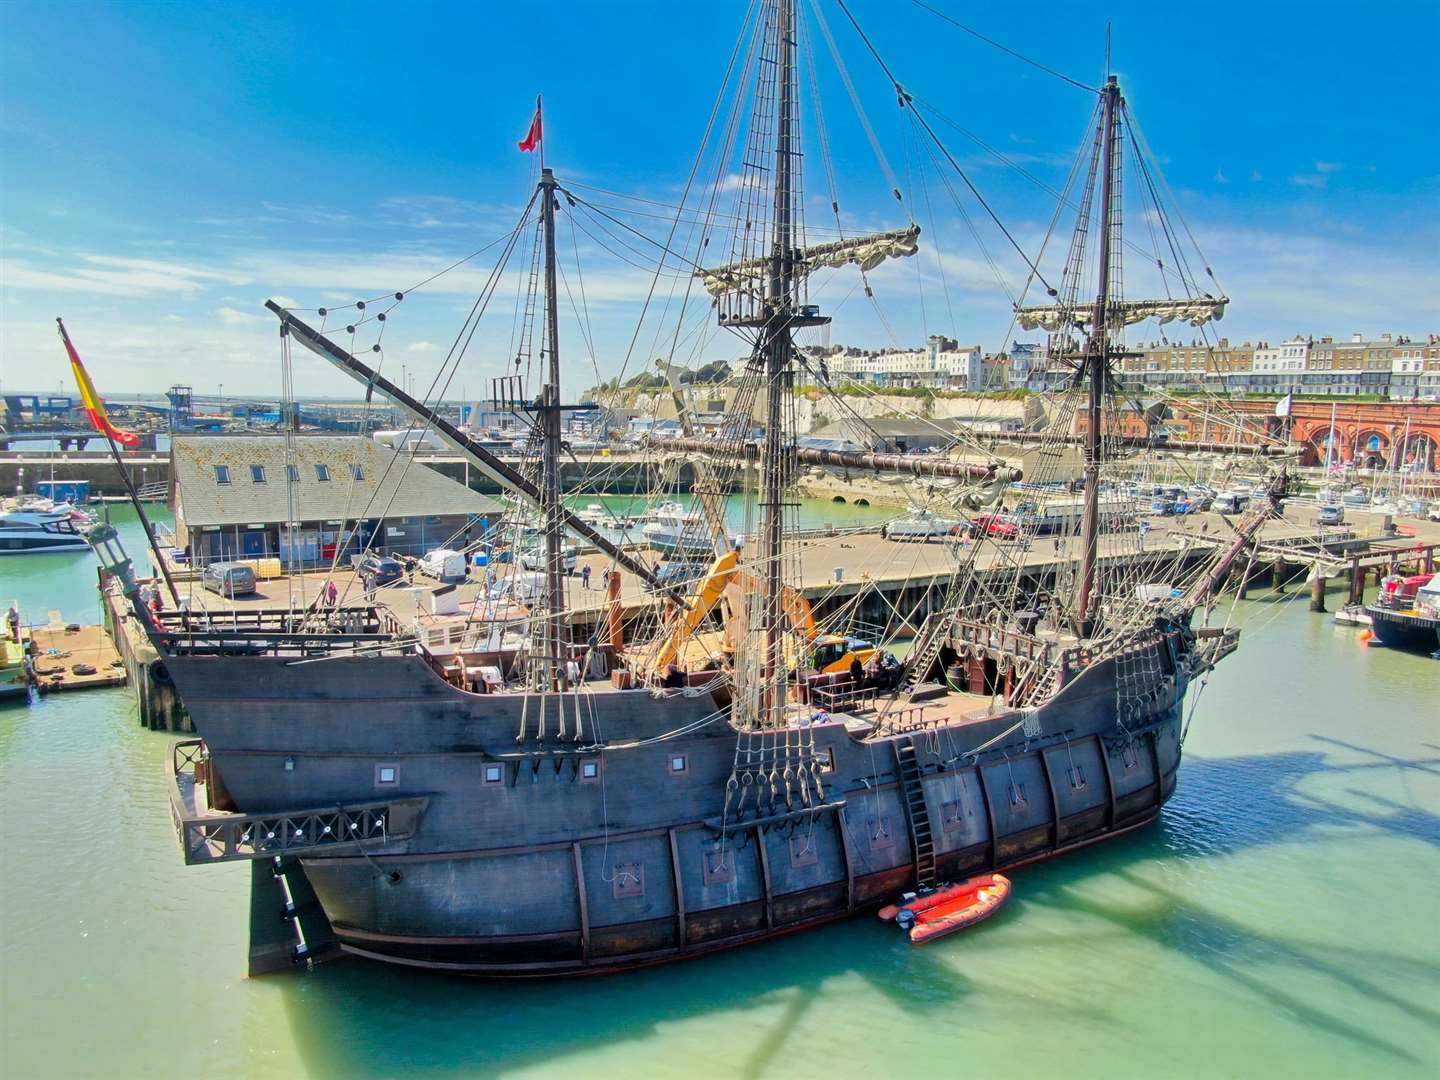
[534,135]
[93,402]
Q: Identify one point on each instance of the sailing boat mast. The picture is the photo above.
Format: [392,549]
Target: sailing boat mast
[1097,361]
[552,667]
[775,461]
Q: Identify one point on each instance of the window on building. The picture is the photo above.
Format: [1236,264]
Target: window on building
[222,474]
[357,472]
[257,473]
[678,764]
[292,473]
[387,774]
[494,774]
[322,472]
[589,769]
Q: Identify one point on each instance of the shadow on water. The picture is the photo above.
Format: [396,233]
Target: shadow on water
[362,1019]
[1226,805]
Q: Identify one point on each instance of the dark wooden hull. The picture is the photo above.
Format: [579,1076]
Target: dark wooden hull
[547,872]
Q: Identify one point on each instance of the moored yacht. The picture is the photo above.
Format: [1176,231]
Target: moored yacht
[31,530]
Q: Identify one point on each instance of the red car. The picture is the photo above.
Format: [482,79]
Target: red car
[996,526]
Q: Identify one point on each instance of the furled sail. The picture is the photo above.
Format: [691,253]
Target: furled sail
[866,252]
[1055,317]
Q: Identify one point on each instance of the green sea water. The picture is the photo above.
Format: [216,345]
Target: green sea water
[1282,919]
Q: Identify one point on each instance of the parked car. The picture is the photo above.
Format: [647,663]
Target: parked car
[1231,502]
[679,573]
[1162,506]
[995,526]
[1331,514]
[443,564]
[377,570]
[1201,498]
[229,579]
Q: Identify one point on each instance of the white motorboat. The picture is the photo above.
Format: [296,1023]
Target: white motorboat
[1352,615]
[32,531]
[671,527]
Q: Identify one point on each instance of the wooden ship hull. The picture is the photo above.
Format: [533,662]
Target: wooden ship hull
[553,868]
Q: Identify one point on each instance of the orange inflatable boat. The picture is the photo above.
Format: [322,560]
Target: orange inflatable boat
[950,907]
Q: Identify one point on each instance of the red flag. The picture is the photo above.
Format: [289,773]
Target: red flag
[532,140]
[93,402]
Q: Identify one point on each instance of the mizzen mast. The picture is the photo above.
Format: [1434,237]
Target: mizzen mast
[551,673]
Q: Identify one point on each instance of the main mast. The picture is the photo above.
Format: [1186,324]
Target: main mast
[552,666]
[1097,362]
[775,462]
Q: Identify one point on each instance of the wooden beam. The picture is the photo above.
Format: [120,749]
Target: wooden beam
[1109,781]
[989,813]
[679,891]
[1054,800]
[584,903]
[765,878]
[849,858]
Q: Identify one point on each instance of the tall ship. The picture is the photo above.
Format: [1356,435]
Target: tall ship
[735,765]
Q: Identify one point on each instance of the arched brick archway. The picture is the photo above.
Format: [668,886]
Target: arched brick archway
[1313,444]
[1372,448]
[1421,449]
[1356,422]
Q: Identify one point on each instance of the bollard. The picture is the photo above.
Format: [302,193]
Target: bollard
[1317,591]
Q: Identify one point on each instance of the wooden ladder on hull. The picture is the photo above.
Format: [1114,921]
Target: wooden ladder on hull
[921,838]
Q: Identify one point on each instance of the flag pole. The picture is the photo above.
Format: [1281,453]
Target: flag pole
[130,487]
[540,114]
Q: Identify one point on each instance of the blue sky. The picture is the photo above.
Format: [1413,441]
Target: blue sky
[166,167]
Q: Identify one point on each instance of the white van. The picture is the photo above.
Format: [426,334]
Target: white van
[524,588]
[1230,502]
[443,564]
[533,558]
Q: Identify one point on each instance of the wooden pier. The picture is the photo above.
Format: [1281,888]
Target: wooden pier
[70,657]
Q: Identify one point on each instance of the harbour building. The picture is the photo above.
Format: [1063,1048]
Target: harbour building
[234,494]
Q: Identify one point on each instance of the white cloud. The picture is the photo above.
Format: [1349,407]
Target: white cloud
[310,215]
[1220,177]
[423,347]
[442,211]
[108,275]
[286,301]
[1329,166]
[233,317]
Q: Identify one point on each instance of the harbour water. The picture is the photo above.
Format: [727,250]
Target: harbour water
[1280,920]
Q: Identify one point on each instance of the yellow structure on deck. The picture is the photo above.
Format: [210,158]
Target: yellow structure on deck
[826,653]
